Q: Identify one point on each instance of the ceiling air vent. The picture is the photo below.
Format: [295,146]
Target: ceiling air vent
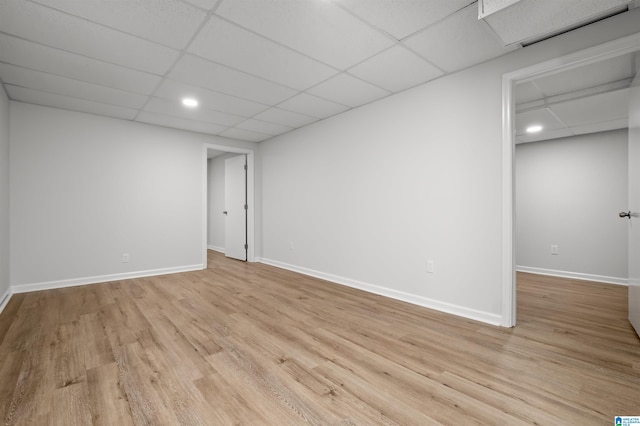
[528,21]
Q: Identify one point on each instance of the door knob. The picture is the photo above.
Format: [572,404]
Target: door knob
[225,212]
[625,214]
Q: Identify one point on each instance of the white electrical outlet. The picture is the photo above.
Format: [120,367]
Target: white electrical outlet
[125,257]
[430,266]
[554,249]
[291,245]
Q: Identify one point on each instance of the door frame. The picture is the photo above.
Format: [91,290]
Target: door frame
[250,198]
[587,56]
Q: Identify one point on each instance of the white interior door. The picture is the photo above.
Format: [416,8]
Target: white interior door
[634,205]
[235,202]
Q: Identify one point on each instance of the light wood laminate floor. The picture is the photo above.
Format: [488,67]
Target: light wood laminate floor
[252,344]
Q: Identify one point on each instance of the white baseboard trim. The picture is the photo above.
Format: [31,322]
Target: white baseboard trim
[573,275]
[425,302]
[4,299]
[50,285]
[215,248]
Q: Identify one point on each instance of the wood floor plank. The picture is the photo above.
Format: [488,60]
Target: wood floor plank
[391,408]
[140,383]
[107,398]
[10,313]
[253,387]
[10,368]
[349,409]
[227,405]
[32,393]
[251,344]
[186,357]
[122,321]
[68,355]
[26,326]
[94,342]
[70,406]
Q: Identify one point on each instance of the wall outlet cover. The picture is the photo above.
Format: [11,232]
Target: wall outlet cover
[430,267]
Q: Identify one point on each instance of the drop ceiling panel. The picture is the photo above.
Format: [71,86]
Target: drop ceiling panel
[312,106]
[168,22]
[601,126]
[179,123]
[598,73]
[531,19]
[401,18]
[212,153]
[208,99]
[38,57]
[244,135]
[603,107]
[396,69]
[56,29]
[319,29]
[527,92]
[203,4]
[228,44]
[286,118]
[37,80]
[200,72]
[487,7]
[348,90]
[263,127]
[64,102]
[542,117]
[162,106]
[458,41]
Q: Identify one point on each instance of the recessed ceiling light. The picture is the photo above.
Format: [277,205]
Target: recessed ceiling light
[190,102]
[534,128]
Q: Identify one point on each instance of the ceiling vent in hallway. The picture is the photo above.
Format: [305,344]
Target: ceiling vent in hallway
[529,21]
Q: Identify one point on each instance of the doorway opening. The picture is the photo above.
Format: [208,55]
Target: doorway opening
[250,197]
[586,57]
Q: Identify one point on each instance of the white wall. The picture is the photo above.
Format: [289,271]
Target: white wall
[4,196]
[569,193]
[368,196]
[216,234]
[86,189]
